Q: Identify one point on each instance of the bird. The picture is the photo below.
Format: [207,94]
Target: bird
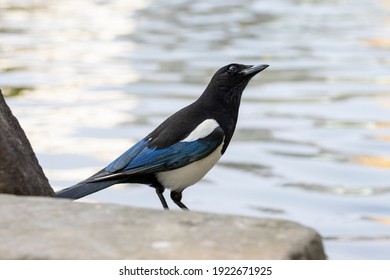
[184,147]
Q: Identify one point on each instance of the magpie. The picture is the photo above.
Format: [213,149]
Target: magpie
[182,149]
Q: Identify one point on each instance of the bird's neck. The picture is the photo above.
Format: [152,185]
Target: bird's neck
[225,112]
[221,103]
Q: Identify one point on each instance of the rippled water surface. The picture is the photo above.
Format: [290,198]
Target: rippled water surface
[87,79]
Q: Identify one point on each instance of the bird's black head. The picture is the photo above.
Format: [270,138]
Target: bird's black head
[228,83]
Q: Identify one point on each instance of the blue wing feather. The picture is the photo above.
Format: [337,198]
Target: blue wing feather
[122,161]
[142,159]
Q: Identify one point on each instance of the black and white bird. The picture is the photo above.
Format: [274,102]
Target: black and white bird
[182,149]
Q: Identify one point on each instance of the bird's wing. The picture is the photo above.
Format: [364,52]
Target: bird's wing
[142,159]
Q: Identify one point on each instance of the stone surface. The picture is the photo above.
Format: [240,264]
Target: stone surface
[20,172]
[47,228]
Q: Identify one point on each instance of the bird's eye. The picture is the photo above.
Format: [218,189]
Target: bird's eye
[232,69]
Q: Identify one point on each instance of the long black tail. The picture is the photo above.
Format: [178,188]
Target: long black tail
[85,188]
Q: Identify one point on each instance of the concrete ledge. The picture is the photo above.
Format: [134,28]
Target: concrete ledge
[47,228]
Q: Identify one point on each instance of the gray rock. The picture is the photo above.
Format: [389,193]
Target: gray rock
[46,228]
[20,172]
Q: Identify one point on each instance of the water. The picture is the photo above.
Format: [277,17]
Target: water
[87,79]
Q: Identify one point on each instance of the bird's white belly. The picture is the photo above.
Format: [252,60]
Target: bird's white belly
[183,177]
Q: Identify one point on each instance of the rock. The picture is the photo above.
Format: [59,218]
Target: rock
[47,228]
[20,172]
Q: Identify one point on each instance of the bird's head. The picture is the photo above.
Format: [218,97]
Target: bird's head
[228,83]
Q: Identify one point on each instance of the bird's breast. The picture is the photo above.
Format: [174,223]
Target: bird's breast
[183,177]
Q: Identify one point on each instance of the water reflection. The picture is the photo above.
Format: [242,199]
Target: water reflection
[339,190]
[88,79]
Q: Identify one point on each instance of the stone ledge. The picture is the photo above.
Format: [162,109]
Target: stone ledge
[47,228]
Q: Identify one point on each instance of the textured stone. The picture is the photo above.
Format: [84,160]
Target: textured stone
[20,172]
[47,228]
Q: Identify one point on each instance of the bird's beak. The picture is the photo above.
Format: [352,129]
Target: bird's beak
[253,69]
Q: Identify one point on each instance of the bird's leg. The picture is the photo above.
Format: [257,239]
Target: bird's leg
[176,197]
[159,191]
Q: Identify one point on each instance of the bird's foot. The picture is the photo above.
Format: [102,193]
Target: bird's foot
[176,197]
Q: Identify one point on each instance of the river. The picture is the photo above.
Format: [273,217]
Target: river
[87,79]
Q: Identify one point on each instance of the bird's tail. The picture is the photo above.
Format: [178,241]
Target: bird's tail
[85,188]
